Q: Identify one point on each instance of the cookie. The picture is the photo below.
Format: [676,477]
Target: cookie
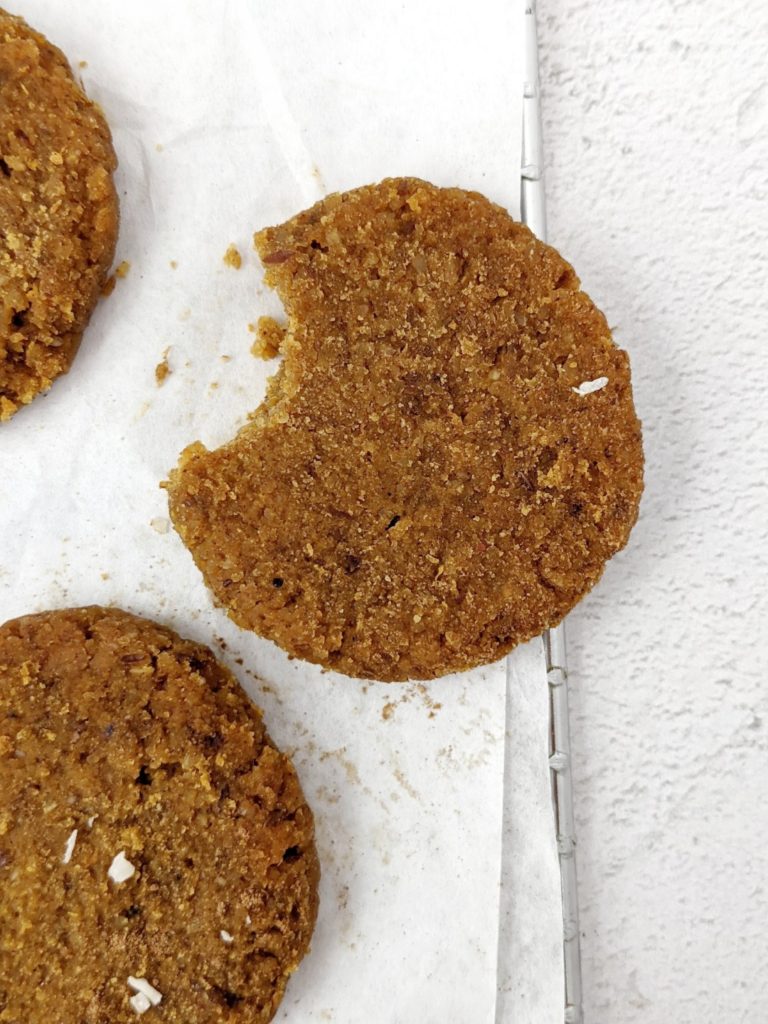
[445,459]
[58,211]
[156,851]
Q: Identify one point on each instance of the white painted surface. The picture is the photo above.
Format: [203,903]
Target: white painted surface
[655,127]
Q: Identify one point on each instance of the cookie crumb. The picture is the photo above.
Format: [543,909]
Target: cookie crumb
[121,271]
[163,369]
[233,258]
[388,710]
[587,387]
[70,847]
[120,870]
[159,147]
[173,264]
[269,337]
[159,524]
[82,64]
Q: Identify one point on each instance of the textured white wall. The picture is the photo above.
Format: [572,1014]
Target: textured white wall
[656,129]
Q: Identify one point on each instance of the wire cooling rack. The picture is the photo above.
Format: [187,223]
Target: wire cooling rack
[533,213]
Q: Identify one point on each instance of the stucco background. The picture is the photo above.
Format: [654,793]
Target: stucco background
[656,133]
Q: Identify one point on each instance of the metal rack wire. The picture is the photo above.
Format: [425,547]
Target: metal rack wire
[533,213]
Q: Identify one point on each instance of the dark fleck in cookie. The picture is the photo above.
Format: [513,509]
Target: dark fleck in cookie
[58,213]
[447,456]
[156,851]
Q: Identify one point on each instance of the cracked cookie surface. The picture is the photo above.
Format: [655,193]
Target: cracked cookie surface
[58,213]
[149,829]
[447,455]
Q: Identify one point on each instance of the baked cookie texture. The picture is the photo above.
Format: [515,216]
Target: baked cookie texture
[58,213]
[425,485]
[121,742]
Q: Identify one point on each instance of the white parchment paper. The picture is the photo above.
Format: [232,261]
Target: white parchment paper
[226,117]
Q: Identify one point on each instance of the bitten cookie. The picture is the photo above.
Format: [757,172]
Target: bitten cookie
[58,213]
[156,851]
[447,456]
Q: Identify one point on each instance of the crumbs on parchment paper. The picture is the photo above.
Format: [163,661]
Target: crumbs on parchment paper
[121,271]
[402,779]
[350,769]
[414,690]
[163,369]
[232,257]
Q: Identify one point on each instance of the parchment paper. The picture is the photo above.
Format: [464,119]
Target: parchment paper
[227,117]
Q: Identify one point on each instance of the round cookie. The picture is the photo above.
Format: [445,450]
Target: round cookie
[447,456]
[150,832]
[58,211]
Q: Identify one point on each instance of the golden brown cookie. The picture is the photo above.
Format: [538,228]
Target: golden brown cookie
[58,213]
[153,842]
[428,482]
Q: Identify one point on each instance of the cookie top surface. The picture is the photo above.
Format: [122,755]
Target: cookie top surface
[425,485]
[58,211]
[121,742]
